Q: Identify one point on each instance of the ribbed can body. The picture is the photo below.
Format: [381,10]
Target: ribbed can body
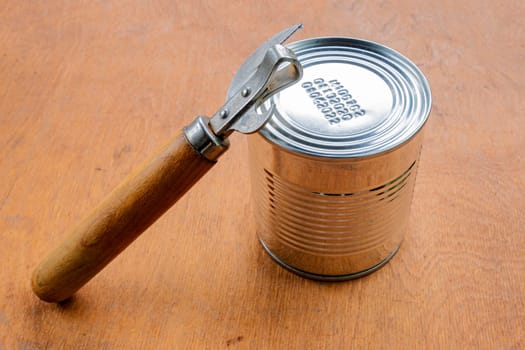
[334,169]
[331,219]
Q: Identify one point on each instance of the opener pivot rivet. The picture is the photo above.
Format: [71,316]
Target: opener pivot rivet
[246,92]
[224,113]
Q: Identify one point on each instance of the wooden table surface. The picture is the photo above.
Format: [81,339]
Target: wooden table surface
[89,89]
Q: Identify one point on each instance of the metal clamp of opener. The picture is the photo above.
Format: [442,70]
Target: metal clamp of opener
[277,68]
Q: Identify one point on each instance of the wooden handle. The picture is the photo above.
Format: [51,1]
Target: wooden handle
[120,218]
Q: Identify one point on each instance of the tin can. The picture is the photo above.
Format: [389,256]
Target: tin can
[333,171]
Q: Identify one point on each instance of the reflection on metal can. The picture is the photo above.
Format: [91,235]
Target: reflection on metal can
[333,171]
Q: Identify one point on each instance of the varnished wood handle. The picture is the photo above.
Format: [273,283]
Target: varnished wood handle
[120,218]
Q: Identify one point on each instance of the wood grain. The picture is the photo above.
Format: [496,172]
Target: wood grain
[119,219]
[89,89]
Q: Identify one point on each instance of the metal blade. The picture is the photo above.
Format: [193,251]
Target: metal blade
[249,66]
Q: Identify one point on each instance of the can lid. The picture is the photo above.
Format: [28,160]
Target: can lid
[356,98]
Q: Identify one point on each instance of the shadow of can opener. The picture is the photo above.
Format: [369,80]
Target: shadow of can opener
[166,176]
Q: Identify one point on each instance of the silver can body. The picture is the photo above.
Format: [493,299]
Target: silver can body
[333,171]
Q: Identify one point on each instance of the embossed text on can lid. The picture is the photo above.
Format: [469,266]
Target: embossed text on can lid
[356,98]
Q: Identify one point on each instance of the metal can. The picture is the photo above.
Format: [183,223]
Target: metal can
[333,171]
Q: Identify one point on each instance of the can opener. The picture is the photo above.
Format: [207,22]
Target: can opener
[166,176]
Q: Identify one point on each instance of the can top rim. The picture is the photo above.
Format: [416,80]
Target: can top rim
[356,98]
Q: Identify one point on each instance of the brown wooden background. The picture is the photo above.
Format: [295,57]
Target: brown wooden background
[89,88]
